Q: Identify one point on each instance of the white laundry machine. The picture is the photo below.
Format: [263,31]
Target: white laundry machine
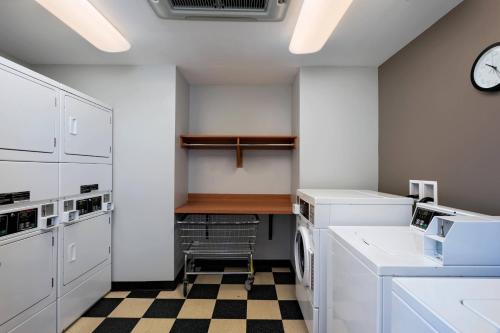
[320,209]
[445,305]
[364,260]
[84,261]
[28,247]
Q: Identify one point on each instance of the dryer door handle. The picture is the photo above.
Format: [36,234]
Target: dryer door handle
[72,252]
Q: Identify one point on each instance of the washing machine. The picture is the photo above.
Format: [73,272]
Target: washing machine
[319,209]
[364,261]
[28,247]
[445,305]
[84,261]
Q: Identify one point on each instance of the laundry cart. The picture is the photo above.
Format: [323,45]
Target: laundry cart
[206,236]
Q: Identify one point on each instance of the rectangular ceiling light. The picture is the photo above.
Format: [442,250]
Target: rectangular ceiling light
[317,21]
[88,22]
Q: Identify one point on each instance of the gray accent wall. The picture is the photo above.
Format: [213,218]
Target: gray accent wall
[433,124]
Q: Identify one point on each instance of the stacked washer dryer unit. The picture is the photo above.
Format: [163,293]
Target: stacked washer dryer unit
[85,191]
[29,132]
[320,209]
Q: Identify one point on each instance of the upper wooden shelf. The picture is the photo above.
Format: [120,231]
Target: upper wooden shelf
[238,143]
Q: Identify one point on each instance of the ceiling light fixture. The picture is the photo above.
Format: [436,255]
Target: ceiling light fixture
[317,21]
[88,22]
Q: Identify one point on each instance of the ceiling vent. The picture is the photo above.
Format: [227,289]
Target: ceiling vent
[219,10]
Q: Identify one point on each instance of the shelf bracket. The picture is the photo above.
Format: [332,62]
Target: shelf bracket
[270,231]
[239,155]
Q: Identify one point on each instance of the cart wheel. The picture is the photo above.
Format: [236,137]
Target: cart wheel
[185,288]
[248,284]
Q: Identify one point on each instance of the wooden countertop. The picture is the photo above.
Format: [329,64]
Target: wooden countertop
[266,204]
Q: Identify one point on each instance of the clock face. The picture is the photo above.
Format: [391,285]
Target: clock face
[486,70]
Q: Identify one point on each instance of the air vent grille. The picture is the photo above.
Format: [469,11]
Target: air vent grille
[232,5]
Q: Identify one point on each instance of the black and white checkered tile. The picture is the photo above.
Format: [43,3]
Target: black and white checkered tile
[215,303]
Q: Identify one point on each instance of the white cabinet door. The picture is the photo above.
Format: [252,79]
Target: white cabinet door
[26,272]
[29,116]
[87,132]
[86,245]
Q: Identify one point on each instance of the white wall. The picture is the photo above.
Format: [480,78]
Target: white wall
[181,155]
[240,110]
[143,98]
[338,127]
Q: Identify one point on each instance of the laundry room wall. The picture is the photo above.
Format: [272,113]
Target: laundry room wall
[244,109]
[219,109]
[144,101]
[336,116]
[433,123]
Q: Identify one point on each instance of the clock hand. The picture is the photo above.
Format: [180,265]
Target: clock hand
[494,67]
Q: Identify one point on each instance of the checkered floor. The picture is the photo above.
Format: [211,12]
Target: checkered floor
[215,303]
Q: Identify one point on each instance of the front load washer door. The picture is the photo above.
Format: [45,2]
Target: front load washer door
[303,249]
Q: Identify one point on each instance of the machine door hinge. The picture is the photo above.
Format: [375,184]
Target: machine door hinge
[52,282]
[110,149]
[55,102]
[52,241]
[55,142]
[109,249]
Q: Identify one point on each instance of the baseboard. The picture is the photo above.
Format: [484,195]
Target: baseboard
[172,285]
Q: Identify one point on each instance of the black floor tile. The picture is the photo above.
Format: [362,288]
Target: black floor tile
[234,279]
[204,291]
[230,309]
[116,325]
[143,293]
[263,292]
[103,308]
[290,310]
[164,308]
[265,326]
[190,326]
[284,278]
[263,266]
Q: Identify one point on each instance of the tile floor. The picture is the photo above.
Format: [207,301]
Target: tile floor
[215,303]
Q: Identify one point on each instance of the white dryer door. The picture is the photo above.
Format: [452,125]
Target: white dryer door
[26,272]
[86,245]
[303,251]
[87,129]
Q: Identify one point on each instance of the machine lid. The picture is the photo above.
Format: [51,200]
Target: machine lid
[399,242]
[352,197]
[467,305]
[487,309]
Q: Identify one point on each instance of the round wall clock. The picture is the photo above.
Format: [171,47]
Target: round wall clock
[485,74]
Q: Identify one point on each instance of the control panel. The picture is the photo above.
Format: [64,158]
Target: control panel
[89,205]
[13,222]
[304,208]
[423,217]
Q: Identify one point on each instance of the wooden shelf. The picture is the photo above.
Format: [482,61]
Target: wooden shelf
[238,143]
[266,204]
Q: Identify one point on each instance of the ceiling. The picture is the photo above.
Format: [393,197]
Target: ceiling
[218,52]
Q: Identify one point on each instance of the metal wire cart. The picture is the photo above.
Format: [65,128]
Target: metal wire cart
[205,236]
